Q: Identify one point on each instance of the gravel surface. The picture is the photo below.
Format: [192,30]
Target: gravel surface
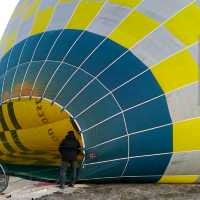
[127,192]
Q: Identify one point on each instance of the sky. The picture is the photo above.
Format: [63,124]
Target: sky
[6,9]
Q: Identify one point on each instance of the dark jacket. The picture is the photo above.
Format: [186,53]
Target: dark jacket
[69,148]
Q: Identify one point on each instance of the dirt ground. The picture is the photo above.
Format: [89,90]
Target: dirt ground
[127,192]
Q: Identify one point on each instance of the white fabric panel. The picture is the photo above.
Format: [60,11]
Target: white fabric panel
[161,10]
[157,46]
[183,164]
[194,50]
[198,2]
[62,14]
[184,103]
[25,26]
[14,25]
[25,29]
[109,17]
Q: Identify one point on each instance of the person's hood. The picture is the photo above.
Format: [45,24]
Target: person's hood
[70,136]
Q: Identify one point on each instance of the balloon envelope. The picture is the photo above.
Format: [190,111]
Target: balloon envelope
[122,74]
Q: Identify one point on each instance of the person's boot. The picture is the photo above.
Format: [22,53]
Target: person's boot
[58,182]
[71,185]
[62,186]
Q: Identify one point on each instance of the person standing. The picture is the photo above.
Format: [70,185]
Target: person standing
[69,149]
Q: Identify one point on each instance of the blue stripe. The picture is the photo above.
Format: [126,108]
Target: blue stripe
[108,151]
[85,45]
[64,42]
[45,45]
[29,48]
[149,115]
[4,62]
[32,73]
[16,54]
[108,130]
[151,142]
[77,82]
[125,68]
[99,112]
[8,82]
[87,97]
[44,76]
[148,166]
[19,77]
[111,169]
[62,75]
[103,56]
[137,91]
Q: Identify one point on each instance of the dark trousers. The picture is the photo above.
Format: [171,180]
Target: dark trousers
[65,167]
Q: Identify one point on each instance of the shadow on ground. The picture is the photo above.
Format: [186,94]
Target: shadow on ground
[127,192]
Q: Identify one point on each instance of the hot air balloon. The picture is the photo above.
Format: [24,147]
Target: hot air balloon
[123,74]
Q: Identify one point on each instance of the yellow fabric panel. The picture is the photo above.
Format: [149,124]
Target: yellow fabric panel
[185,26]
[1,128]
[186,135]
[176,71]
[22,112]
[7,118]
[66,1]
[53,113]
[26,159]
[16,159]
[9,41]
[31,10]
[133,29]
[84,14]
[179,179]
[42,20]
[130,4]
[47,137]
[3,149]
[38,140]
[40,113]
[11,141]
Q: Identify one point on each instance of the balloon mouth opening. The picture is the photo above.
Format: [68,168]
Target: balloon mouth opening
[32,129]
